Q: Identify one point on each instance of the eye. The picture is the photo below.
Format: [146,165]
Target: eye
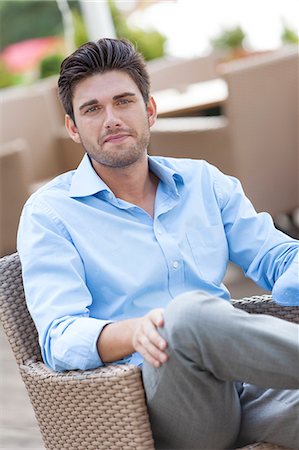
[124,101]
[92,109]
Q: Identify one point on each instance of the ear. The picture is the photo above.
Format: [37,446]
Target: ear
[72,129]
[151,111]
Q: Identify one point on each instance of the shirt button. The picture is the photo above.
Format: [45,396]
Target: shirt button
[175,264]
[159,232]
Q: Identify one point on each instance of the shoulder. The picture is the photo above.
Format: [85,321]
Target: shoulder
[58,188]
[200,174]
[45,210]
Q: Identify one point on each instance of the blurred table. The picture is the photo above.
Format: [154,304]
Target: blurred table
[192,100]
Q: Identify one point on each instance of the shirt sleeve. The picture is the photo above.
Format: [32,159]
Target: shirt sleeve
[263,252]
[56,293]
[286,288]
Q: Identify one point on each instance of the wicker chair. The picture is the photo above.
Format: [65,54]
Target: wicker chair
[86,410]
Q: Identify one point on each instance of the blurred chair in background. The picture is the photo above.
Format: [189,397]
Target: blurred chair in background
[193,137]
[13,191]
[34,148]
[262,112]
[178,73]
[34,114]
[256,139]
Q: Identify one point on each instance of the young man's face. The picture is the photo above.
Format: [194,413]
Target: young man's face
[112,120]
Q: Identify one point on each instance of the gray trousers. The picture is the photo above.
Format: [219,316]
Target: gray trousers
[232,378]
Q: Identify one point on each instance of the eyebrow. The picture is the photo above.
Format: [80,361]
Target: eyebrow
[124,94]
[94,101]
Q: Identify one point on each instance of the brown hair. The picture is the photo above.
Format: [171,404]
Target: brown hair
[99,57]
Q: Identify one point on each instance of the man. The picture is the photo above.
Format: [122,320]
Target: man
[123,261]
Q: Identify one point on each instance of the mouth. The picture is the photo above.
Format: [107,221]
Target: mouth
[116,138]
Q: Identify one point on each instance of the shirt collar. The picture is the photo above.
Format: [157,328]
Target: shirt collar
[166,174]
[86,181]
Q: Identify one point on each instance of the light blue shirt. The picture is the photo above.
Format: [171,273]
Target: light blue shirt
[89,258]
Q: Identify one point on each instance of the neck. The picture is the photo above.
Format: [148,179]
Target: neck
[134,184]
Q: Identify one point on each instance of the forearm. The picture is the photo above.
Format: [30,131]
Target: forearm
[120,339]
[116,340]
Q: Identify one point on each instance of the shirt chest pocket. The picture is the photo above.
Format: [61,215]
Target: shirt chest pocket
[209,250]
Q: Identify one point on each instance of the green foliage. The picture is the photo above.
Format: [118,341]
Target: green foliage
[229,39]
[150,43]
[7,78]
[289,36]
[50,65]
[26,19]
[81,35]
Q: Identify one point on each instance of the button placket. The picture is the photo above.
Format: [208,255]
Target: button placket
[173,256]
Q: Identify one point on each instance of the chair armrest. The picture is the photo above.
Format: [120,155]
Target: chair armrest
[264,304]
[101,408]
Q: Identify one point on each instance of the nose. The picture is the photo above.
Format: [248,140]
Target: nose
[111,119]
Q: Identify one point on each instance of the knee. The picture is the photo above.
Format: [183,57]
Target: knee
[188,314]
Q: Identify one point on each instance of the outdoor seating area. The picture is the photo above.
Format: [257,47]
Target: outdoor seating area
[241,116]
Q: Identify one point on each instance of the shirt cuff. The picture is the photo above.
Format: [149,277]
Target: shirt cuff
[286,288]
[74,344]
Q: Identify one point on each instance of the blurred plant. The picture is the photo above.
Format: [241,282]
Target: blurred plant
[21,20]
[45,18]
[29,19]
[229,39]
[8,78]
[150,43]
[288,35]
[81,35]
[50,65]
[68,24]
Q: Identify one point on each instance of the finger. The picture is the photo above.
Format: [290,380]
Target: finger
[150,348]
[151,357]
[150,331]
[151,360]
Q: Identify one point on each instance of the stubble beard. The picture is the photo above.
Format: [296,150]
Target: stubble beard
[120,156]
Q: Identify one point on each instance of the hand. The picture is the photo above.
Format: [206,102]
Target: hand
[146,339]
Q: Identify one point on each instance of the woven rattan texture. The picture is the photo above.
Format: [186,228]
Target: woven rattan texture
[14,316]
[88,410]
[264,305]
[98,409]
[263,446]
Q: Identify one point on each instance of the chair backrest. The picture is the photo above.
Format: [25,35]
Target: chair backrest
[192,137]
[33,113]
[262,111]
[178,73]
[13,192]
[14,315]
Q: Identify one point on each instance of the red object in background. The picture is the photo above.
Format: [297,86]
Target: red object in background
[24,55]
